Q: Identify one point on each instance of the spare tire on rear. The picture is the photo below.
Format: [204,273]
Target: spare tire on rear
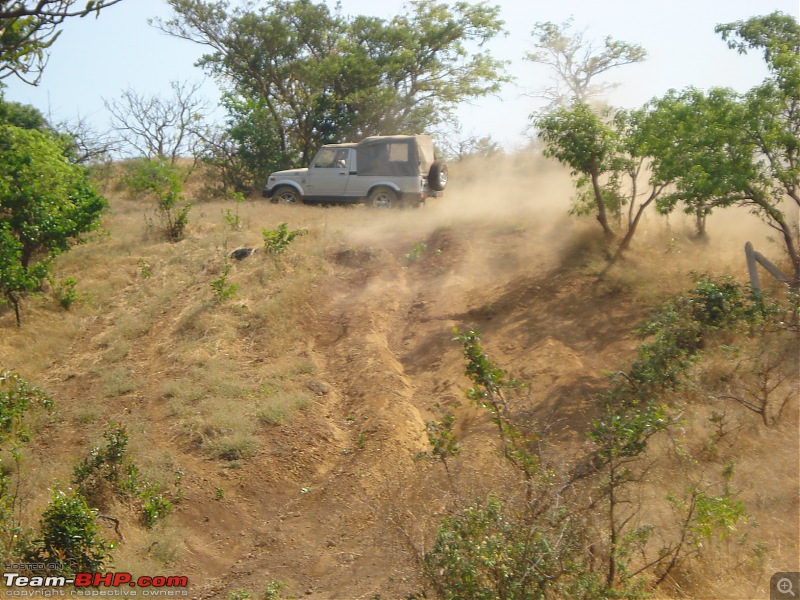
[437,176]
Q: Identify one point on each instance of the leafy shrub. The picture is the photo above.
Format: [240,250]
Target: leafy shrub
[276,241]
[273,589]
[160,179]
[220,287]
[108,470]
[70,535]
[154,507]
[680,329]
[65,292]
[484,553]
[17,398]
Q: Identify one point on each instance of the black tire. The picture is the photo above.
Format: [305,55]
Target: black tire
[383,197]
[437,176]
[286,195]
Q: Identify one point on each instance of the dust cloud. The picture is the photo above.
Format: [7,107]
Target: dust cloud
[528,196]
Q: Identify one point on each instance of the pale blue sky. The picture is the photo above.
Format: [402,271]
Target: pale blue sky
[99,58]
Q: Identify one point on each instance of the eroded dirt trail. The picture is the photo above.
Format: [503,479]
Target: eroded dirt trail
[380,334]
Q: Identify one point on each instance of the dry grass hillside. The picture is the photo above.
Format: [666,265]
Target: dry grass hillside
[286,422]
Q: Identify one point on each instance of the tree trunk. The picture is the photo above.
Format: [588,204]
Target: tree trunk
[15,303]
[602,214]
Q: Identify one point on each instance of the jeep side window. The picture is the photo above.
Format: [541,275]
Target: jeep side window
[325,159]
[340,161]
[398,152]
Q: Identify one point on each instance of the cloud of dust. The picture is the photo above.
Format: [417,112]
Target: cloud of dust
[522,192]
[511,215]
[499,217]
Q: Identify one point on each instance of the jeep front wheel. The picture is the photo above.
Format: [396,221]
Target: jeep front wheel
[383,198]
[286,195]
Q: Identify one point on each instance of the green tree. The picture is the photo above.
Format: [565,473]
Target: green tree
[750,157]
[22,115]
[772,123]
[702,163]
[244,153]
[589,145]
[28,28]
[311,75]
[46,204]
[605,153]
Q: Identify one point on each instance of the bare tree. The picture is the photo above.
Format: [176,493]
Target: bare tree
[88,145]
[577,62]
[457,147]
[28,28]
[156,127]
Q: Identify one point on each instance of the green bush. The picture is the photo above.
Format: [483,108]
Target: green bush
[65,292]
[160,179]
[109,470]
[17,397]
[276,241]
[484,553]
[70,535]
[220,287]
[680,328]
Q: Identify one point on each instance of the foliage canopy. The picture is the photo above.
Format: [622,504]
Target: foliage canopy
[46,204]
[28,28]
[309,75]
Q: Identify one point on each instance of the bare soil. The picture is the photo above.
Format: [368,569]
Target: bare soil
[333,499]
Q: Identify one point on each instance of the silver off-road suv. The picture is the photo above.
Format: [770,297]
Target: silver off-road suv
[381,171]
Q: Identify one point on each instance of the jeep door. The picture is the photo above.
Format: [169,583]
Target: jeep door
[328,174]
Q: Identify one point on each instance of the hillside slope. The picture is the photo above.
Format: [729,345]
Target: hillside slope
[288,421]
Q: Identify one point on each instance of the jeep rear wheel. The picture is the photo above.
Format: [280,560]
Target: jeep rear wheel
[437,176]
[286,195]
[383,198]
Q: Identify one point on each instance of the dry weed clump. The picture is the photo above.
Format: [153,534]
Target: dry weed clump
[278,408]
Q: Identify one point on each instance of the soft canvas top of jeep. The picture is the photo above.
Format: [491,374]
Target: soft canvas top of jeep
[395,155]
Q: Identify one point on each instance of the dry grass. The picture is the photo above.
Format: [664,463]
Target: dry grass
[203,385]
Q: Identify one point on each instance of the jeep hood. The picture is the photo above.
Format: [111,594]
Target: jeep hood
[289,173]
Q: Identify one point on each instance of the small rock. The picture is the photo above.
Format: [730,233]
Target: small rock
[242,253]
[318,387]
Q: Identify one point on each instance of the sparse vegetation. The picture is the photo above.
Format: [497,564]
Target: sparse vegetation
[159,179]
[17,399]
[542,545]
[109,472]
[276,241]
[283,428]
[416,252]
[220,287]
